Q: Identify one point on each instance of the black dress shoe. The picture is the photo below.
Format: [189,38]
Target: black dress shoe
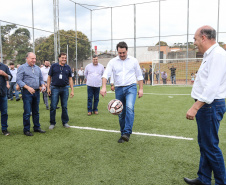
[193,181]
[126,137]
[121,140]
[40,130]
[28,133]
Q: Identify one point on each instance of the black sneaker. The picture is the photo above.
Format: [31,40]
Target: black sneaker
[5,132]
[121,140]
[28,133]
[126,137]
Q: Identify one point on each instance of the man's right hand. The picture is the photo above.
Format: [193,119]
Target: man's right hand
[49,91]
[103,92]
[31,90]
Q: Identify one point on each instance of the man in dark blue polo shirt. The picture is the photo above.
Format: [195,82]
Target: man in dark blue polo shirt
[5,75]
[29,77]
[60,77]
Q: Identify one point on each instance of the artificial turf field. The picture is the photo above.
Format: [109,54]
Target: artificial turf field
[76,156]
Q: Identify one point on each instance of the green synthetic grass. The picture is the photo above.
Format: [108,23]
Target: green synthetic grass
[73,156]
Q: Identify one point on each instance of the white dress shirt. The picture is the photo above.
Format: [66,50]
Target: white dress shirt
[14,73]
[45,71]
[80,72]
[210,82]
[125,72]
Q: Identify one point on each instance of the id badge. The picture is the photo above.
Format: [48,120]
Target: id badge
[60,76]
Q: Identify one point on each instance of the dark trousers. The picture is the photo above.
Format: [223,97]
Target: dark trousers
[56,93]
[93,93]
[45,98]
[211,160]
[3,109]
[31,104]
[80,78]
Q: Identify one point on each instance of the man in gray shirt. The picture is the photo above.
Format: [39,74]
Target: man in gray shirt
[29,77]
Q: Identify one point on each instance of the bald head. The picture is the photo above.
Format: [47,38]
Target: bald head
[204,38]
[208,31]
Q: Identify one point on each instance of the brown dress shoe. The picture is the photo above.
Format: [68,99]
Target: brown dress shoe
[89,113]
[95,112]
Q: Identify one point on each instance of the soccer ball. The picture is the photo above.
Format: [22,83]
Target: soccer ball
[115,107]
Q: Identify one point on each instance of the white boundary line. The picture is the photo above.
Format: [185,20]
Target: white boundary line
[161,94]
[169,94]
[135,133]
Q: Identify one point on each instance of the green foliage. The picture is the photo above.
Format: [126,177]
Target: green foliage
[45,46]
[7,47]
[74,156]
[16,45]
[162,43]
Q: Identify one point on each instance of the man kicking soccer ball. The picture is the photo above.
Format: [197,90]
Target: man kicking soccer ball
[126,72]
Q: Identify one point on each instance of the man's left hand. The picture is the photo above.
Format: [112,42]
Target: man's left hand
[140,93]
[72,94]
[191,113]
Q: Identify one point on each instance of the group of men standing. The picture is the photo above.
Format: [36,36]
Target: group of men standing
[30,80]
[209,93]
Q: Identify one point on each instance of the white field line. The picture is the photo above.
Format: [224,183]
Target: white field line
[161,94]
[135,133]
[169,94]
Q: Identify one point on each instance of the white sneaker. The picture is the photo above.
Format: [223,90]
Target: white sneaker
[66,125]
[51,127]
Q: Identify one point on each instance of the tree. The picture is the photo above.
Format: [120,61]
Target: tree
[162,43]
[20,40]
[45,46]
[7,47]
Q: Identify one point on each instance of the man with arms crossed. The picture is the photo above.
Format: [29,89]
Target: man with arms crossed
[12,88]
[93,74]
[45,71]
[60,77]
[126,72]
[29,77]
[209,92]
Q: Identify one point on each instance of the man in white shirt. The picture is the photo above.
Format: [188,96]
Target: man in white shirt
[45,71]
[80,76]
[12,88]
[126,72]
[209,92]
[93,74]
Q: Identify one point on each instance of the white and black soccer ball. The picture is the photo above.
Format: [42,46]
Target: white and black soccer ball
[115,107]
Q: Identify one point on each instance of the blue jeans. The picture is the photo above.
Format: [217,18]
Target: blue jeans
[173,79]
[208,120]
[93,92]
[11,89]
[127,95]
[63,93]
[3,109]
[31,104]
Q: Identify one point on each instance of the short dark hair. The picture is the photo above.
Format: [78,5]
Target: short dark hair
[11,63]
[122,45]
[45,60]
[210,33]
[95,56]
[62,53]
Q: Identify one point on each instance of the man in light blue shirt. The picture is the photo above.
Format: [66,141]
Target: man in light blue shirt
[93,74]
[29,77]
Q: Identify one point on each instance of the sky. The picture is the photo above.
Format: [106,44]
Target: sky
[173,17]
